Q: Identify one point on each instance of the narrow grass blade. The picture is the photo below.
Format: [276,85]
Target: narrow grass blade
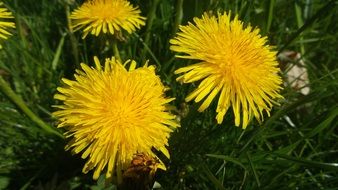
[17,100]
[326,123]
[322,165]
[227,158]
[212,178]
[58,52]
[270,16]
[253,169]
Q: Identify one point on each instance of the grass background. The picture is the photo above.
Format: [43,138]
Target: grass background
[296,148]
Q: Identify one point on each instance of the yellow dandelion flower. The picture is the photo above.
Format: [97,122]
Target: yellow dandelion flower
[234,63]
[4,23]
[106,16]
[113,113]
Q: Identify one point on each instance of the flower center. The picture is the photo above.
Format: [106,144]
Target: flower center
[120,113]
[104,11]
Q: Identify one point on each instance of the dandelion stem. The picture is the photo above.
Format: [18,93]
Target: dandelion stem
[116,51]
[17,100]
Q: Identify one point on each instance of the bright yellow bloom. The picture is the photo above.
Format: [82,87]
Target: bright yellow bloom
[106,16]
[4,23]
[234,62]
[113,113]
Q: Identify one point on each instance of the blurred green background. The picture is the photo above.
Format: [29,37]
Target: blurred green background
[296,148]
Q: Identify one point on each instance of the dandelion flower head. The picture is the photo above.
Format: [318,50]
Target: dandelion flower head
[234,63]
[5,24]
[97,16]
[112,113]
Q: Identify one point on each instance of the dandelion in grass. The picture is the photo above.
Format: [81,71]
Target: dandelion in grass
[112,16]
[5,23]
[234,62]
[112,113]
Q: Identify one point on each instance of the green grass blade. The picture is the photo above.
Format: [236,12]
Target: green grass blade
[309,163]
[325,124]
[227,158]
[6,89]
[58,52]
[212,178]
[253,169]
[270,15]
